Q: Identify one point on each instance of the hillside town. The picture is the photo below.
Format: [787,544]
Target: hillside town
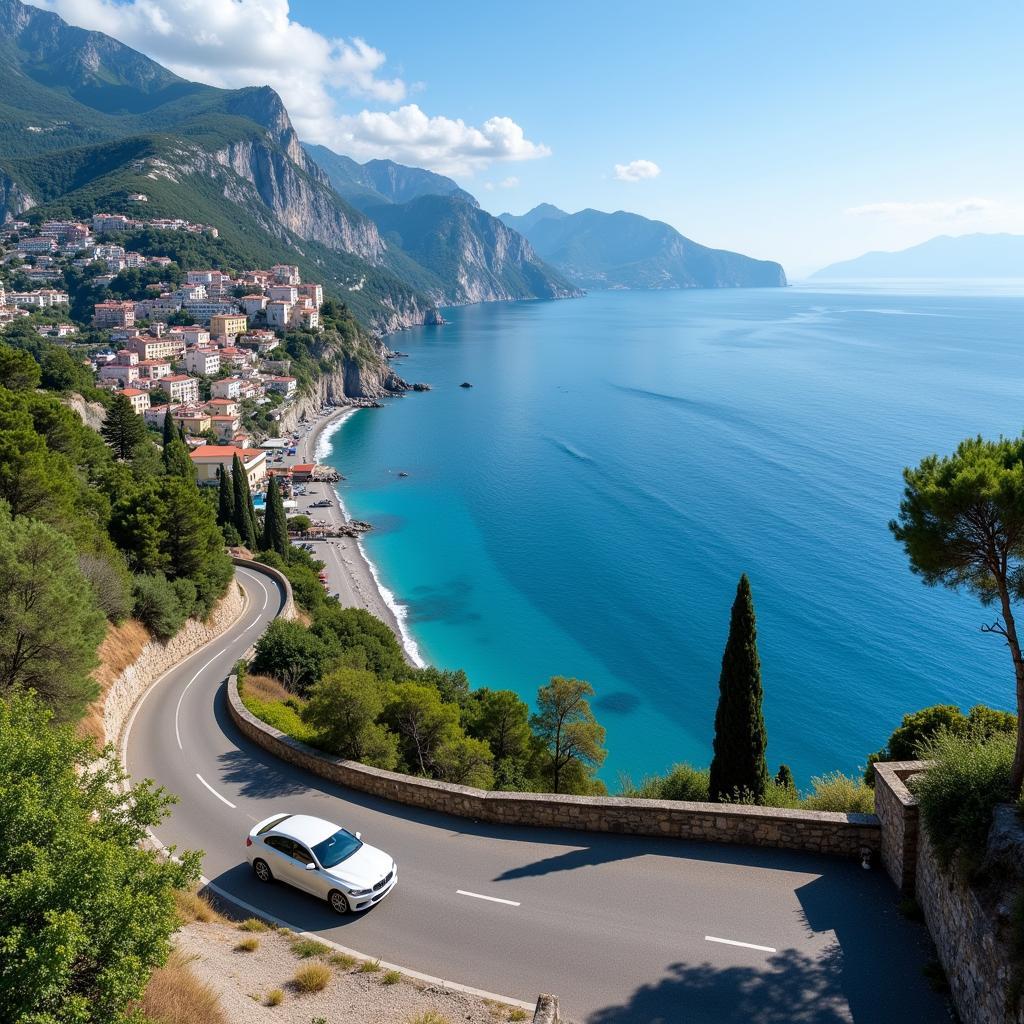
[206,348]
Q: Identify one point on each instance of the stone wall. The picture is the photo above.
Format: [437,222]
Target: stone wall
[157,657]
[812,831]
[968,926]
[975,956]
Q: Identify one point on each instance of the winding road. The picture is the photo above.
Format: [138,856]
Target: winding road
[623,929]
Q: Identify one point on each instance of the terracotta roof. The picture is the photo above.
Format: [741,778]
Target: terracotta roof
[226,451]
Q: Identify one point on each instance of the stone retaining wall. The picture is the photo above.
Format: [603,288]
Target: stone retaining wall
[896,808]
[157,657]
[847,835]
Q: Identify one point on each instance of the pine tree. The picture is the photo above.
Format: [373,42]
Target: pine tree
[123,429]
[275,522]
[245,515]
[738,768]
[225,499]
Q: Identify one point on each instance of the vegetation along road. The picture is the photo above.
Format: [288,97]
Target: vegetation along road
[622,928]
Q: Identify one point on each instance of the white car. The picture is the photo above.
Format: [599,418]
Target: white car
[322,859]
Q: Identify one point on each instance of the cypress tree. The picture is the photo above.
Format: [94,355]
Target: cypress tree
[738,767]
[225,499]
[275,522]
[177,461]
[169,431]
[245,516]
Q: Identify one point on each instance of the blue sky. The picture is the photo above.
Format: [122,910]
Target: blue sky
[804,132]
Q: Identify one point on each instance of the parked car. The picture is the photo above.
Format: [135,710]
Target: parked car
[321,858]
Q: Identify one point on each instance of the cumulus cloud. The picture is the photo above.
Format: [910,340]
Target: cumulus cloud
[446,144]
[926,212]
[637,170]
[235,43]
[510,182]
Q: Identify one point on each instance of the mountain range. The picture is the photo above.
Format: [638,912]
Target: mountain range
[85,121]
[624,250]
[946,256]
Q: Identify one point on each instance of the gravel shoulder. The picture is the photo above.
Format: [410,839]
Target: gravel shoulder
[244,979]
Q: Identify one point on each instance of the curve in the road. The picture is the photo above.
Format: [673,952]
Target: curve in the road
[625,929]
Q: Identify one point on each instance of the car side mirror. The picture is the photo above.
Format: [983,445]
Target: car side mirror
[359,835]
[311,867]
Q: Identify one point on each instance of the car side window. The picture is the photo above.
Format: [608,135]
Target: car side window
[301,854]
[279,843]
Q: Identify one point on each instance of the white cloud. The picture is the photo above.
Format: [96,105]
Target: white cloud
[934,212]
[637,170]
[510,182]
[235,43]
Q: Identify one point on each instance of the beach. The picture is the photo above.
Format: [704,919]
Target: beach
[351,575]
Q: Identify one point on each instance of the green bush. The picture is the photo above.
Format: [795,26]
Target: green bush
[839,792]
[683,782]
[157,607]
[960,790]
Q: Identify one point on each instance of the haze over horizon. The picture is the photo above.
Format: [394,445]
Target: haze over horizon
[807,135]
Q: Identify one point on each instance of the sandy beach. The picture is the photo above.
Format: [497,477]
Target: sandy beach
[350,575]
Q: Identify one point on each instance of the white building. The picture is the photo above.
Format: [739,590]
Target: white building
[204,361]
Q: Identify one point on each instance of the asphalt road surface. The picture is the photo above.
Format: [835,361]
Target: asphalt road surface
[623,929]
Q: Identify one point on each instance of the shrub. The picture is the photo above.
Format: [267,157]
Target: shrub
[959,792]
[306,948]
[312,978]
[193,906]
[253,924]
[157,606]
[274,997]
[342,960]
[683,782]
[391,978]
[429,1017]
[174,995]
[369,967]
[517,1013]
[247,945]
[919,728]
[110,585]
[839,792]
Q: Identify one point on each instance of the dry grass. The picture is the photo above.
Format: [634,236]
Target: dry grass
[265,688]
[369,967]
[306,948]
[248,945]
[175,995]
[391,978]
[312,978]
[517,1013]
[120,648]
[253,924]
[342,960]
[193,906]
[275,997]
[429,1017]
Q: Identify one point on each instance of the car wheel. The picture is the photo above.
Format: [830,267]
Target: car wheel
[262,870]
[338,902]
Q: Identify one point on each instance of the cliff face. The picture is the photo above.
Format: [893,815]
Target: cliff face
[14,200]
[474,256]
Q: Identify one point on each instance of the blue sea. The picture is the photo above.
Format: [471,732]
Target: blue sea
[587,507]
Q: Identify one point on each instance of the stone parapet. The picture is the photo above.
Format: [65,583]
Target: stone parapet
[896,808]
[846,835]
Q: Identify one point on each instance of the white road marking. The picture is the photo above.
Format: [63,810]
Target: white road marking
[214,792]
[177,710]
[490,899]
[745,945]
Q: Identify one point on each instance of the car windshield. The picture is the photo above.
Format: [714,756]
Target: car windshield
[335,849]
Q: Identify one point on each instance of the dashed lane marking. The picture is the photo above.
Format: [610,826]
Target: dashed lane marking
[490,899]
[745,945]
[222,799]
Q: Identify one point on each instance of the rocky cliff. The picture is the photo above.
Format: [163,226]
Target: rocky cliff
[14,200]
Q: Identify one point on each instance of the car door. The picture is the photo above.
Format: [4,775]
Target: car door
[284,866]
[311,880]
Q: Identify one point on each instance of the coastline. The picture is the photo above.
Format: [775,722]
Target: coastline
[352,575]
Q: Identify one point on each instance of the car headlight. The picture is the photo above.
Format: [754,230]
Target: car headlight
[359,892]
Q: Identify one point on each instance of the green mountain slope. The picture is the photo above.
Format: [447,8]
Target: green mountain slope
[85,120]
[623,250]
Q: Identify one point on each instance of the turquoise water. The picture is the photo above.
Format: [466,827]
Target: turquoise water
[588,506]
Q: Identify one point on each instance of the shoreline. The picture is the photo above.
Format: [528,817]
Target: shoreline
[351,573]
